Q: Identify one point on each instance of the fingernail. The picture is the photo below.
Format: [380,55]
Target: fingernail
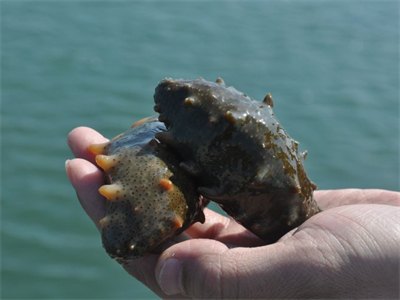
[68,171]
[67,166]
[169,277]
[70,144]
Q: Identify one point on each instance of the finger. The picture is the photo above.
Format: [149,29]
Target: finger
[338,246]
[333,198]
[226,230]
[86,179]
[223,229]
[81,138]
[207,269]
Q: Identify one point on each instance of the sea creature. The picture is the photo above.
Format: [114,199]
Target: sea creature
[149,199]
[239,154]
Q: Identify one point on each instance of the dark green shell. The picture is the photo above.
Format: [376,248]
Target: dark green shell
[240,155]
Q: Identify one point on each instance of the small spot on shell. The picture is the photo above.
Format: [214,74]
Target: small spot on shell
[268,100]
[177,222]
[157,109]
[139,122]
[296,146]
[188,101]
[229,117]
[97,148]
[220,81]
[103,222]
[165,184]
[314,186]
[213,120]
[106,162]
[110,191]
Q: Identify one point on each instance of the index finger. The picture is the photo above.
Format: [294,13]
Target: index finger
[81,138]
[333,198]
[223,229]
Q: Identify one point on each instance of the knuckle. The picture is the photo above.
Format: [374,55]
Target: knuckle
[211,278]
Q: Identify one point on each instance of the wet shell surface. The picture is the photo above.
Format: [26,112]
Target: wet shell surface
[149,200]
[238,153]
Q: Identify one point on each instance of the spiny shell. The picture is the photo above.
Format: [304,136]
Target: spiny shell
[148,199]
[240,154]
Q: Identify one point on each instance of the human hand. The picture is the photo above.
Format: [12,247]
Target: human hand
[350,250]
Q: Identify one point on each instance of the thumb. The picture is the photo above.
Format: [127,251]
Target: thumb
[208,269]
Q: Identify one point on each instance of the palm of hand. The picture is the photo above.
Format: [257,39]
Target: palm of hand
[349,250]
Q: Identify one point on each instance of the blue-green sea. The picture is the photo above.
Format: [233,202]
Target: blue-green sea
[332,68]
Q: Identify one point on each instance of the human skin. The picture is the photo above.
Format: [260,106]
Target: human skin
[350,250]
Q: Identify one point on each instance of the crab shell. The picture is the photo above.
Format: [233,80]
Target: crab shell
[241,156]
[149,200]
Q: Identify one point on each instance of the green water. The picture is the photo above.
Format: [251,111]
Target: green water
[331,67]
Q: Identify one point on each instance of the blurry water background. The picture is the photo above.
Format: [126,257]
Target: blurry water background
[332,68]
